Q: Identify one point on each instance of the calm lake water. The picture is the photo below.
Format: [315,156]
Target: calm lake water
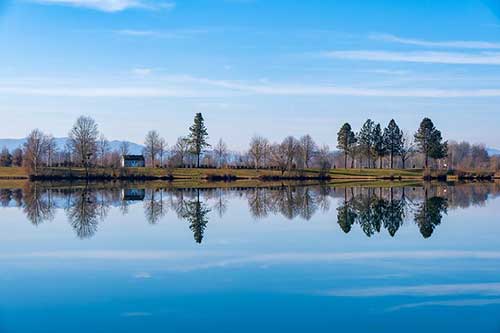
[282,259]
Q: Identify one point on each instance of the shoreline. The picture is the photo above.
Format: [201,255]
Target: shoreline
[232,175]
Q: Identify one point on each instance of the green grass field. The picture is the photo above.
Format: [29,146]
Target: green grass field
[203,174]
[13,173]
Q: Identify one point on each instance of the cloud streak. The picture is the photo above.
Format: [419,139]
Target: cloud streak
[190,87]
[111,5]
[167,34]
[442,44]
[184,261]
[485,289]
[269,257]
[453,303]
[454,58]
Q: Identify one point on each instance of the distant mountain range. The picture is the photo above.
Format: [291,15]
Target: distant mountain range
[12,144]
[493,151]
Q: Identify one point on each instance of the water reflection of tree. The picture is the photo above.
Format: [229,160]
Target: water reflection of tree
[196,213]
[371,211]
[5,197]
[38,205]
[346,216]
[221,202]
[258,202]
[429,214]
[289,201]
[83,213]
[394,213]
[154,206]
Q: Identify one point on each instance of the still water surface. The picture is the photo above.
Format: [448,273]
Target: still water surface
[103,258]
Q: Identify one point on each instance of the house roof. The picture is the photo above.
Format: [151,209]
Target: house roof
[133,157]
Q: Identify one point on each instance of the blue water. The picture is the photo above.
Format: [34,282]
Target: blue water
[268,260]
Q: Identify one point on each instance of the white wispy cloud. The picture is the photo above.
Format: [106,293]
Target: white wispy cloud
[445,44]
[142,71]
[453,303]
[136,314]
[259,258]
[184,261]
[482,58]
[111,5]
[485,289]
[142,275]
[169,34]
[185,86]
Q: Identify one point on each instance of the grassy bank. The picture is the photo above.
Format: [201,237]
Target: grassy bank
[13,173]
[201,174]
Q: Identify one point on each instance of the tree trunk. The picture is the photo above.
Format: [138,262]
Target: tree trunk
[345,160]
[392,160]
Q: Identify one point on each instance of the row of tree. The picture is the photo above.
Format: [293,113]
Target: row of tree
[372,142]
[389,146]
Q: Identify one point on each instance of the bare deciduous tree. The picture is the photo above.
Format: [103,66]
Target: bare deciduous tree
[259,151]
[102,149]
[291,148]
[35,149]
[181,150]
[152,146]
[162,149]
[124,148]
[279,157]
[220,151]
[83,139]
[323,161]
[307,149]
[51,149]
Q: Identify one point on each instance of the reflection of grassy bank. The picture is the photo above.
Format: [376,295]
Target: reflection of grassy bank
[238,184]
[203,184]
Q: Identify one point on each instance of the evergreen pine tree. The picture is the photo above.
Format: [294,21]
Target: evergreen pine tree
[198,137]
[393,140]
[366,140]
[379,149]
[429,141]
[346,140]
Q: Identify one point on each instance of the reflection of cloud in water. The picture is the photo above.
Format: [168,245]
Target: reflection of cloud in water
[486,289]
[109,255]
[143,275]
[178,260]
[456,302]
[136,314]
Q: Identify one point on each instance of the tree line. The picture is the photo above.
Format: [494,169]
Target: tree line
[373,143]
[373,146]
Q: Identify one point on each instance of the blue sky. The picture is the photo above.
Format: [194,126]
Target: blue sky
[273,68]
